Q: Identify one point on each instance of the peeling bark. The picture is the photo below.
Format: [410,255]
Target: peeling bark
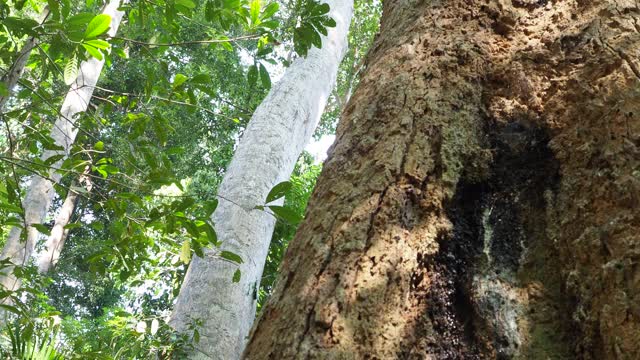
[40,192]
[266,156]
[481,199]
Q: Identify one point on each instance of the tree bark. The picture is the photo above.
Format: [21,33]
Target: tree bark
[266,156]
[59,232]
[40,192]
[11,78]
[58,235]
[481,199]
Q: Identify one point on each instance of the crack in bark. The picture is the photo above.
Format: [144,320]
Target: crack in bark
[323,268]
[629,62]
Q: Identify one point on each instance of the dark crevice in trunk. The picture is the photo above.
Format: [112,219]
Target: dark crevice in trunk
[507,209]
[449,310]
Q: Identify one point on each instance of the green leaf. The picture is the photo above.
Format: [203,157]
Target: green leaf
[231,257]
[3,90]
[212,237]
[254,10]
[73,226]
[183,204]
[71,70]
[270,24]
[210,206]
[53,159]
[197,249]
[42,229]
[185,252]
[252,75]
[99,146]
[330,23]
[201,79]
[78,20]
[93,51]
[50,145]
[10,207]
[286,214]
[186,3]
[179,80]
[270,10]
[264,77]
[14,309]
[321,9]
[120,53]
[98,26]
[279,191]
[236,276]
[97,43]
[24,26]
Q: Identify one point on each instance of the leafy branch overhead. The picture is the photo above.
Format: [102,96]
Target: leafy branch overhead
[313,23]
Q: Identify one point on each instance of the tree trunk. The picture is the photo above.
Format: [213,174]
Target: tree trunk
[60,232]
[12,76]
[481,199]
[266,156]
[40,192]
[58,235]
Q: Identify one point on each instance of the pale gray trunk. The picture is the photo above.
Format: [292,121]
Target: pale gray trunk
[273,141]
[59,232]
[11,78]
[40,192]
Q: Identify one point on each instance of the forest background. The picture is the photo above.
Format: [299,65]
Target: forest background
[181,81]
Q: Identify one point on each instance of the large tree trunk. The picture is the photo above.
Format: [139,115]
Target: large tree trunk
[266,156]
[40,192]
[481,199]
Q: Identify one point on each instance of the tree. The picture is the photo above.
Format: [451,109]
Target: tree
[178,88]
[270,146]
[41,189]
[58,235]
[480,199]
[10,79]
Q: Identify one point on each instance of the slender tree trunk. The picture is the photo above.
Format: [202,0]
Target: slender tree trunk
[481,199]
[40,192]
[273,141]
[59,232]
[58,235]
[11,78]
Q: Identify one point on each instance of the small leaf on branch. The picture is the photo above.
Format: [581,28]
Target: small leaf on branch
[185,252]
[42,229]
[97,43]
[228,255]
[286,214]
[279,191]
[98,26]
[93,51]
[71,70]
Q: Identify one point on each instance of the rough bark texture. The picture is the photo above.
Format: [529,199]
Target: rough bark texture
[268,151]
[481,199]
[40,192]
